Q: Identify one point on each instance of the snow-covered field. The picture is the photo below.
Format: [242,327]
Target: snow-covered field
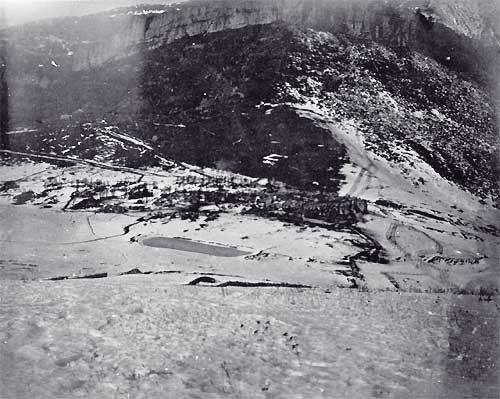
[154,335]
[443,247]
[44,243]
[142,337]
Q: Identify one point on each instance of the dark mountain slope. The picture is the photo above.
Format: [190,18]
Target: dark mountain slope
[214,85]
[436,112]
[202,99]
[196,99]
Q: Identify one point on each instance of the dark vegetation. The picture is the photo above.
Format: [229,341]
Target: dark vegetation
[213,197]
[196,103]
[24,197]
[209,88]
[8,185]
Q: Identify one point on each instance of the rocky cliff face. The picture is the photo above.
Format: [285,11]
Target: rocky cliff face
[454,32]
[174,23]
[479,20]
[417,24]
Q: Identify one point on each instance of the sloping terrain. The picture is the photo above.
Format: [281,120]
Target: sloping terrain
[133,336]
[211,92]
[304,189]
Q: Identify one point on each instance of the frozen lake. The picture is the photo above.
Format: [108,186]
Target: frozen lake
[182,244]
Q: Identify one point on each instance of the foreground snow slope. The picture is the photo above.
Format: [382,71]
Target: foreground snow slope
[141,337]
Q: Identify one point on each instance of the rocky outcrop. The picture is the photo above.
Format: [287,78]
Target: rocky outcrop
[478,20]
[341,210]
[463,26]
[391,24]
[176,22]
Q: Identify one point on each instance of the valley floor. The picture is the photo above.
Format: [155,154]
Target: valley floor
[89,310]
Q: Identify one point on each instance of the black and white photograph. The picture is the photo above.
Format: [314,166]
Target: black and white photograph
[249,199]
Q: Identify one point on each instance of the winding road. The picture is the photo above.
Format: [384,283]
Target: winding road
[416,247]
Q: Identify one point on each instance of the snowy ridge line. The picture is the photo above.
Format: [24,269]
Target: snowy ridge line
[83,161]
[132,140]
[192,169]
[142,144]
[21,131]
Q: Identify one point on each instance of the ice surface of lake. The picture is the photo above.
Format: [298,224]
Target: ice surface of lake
[182,244]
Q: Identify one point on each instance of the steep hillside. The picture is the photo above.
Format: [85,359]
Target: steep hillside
[228,100]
